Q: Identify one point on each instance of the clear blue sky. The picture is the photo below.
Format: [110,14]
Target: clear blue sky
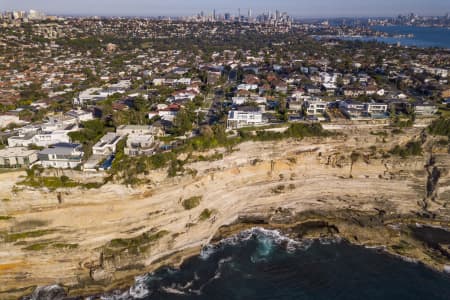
[301,8]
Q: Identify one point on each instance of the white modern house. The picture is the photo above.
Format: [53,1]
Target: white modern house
[61,156]
[89,95]
[43,135]
[140,138]
[425,109]
[140,145]
[7,119]
[139,130]
[80,115]
[98,94]
[159,81]
[18,157]
[184,95]
[247,87]
[107,144]
[42,139]
[377,109]
[315,107]
[355,109]
[244,100]
[239,119]
[166,112]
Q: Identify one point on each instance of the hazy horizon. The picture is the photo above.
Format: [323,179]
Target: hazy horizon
[296,8]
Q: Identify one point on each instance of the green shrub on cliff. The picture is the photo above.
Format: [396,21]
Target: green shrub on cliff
[306,130]
[412,148]
[192,202]
[440,127]
[206,214]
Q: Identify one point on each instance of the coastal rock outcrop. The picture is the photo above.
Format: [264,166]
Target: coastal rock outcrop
[52,292]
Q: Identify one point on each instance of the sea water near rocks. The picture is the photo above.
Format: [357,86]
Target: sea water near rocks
[263,264]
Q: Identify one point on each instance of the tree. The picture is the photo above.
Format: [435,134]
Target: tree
[182,122]
[140,104]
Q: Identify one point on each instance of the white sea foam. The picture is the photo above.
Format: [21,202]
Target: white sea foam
[138,291]
[266,238]
[172,290]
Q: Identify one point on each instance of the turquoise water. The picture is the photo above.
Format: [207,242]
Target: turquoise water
[259,264]
[424,37]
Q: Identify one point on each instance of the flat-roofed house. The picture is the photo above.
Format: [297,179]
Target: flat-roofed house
[352,109]
[139,130]
[80,115]
[425,109]
[238,119]
[315,107]
[61,156]
[42,139]
[140,145]
[7,119]
[107,144]
[377,110]
[17,157]
[140,138]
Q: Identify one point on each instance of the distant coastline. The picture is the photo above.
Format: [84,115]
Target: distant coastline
[412,36]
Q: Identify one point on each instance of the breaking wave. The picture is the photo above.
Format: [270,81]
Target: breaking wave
[266,241]
[265,264]
[266,238]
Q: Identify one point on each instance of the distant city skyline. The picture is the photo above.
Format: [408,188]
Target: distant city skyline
[296,8]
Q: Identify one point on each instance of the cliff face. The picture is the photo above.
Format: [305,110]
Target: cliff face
[97,240]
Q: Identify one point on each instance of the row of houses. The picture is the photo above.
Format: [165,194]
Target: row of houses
[60,155]
[55,130]
[141,140]
[253,116]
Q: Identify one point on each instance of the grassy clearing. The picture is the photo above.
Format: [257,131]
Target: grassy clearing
[192,202]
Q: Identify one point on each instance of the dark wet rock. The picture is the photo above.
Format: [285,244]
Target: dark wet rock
[52,292]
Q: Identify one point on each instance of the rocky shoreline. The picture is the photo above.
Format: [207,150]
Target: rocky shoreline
[98,241]
[394,235]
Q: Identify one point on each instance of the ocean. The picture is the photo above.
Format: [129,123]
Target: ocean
[262,264]
[424,37]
